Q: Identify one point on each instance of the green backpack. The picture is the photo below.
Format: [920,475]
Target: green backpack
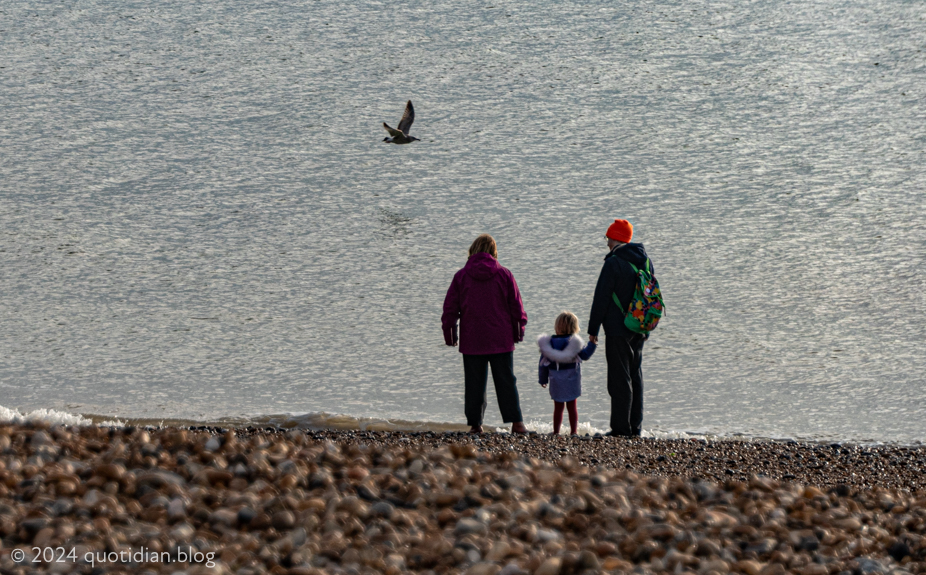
[646,307]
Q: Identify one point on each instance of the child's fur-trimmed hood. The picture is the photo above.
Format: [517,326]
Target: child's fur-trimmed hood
[567,355]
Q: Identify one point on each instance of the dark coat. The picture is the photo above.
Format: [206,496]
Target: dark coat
[619,278]
[485,299]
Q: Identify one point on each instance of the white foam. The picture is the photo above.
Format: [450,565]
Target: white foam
[547,427]
[52,416]
[659,434]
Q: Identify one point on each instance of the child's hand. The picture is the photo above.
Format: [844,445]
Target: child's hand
[543,385]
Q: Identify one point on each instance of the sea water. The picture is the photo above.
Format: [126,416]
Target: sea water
[199,221]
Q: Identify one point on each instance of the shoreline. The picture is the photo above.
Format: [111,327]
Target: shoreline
[342,423]
[316,502]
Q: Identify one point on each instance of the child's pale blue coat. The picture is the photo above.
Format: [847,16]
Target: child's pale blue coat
[561,357]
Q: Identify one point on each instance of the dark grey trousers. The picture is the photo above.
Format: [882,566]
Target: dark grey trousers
[476,377]
[625,383]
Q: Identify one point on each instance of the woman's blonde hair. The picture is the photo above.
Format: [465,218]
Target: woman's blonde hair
[484,244]
[566,324]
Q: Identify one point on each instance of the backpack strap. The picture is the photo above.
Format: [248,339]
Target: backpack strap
[648,267]
[616,301]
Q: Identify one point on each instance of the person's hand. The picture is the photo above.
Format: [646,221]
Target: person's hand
[543,385]
[593,339]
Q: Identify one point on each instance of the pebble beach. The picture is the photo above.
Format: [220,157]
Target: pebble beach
[204,500]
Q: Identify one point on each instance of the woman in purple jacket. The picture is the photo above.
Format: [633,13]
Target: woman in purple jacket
[485,299]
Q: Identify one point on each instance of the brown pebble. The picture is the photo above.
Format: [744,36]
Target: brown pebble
[772,569]
[260,523]
[848,524]
[499,551]
[66,487]
[811,492]
[43,537]
[616,564]
[483,569]
[65,530]
[111,471]
[748,567]
[448,498]
[283,520]
[314,504]
[719,519]
[605,548]
[814,569]
[718,565]
[102,525]
[589,560]
[218,476]
[446,516]
[707,548]
[225,517]
[288,481]
[550,566]
[357,473]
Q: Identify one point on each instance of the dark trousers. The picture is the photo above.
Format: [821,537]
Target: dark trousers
[476,377]
[625,383]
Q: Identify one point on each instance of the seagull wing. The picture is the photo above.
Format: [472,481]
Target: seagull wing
[405,124]
[392,131]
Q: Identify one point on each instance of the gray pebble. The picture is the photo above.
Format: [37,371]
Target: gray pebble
[467,525]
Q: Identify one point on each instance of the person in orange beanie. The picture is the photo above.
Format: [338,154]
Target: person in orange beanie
[623,348]
[620,231]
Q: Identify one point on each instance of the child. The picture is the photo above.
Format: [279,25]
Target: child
[560,356]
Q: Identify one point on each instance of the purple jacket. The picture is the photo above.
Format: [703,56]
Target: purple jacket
[485,298]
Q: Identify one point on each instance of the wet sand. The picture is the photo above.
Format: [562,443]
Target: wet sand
[255,501]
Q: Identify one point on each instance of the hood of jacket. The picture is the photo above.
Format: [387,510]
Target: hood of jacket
[633,253]
[482,267]
[567,355]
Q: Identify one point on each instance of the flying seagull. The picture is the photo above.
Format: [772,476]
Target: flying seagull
[401,136]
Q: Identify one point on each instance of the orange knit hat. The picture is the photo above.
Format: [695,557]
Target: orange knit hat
[620,231]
